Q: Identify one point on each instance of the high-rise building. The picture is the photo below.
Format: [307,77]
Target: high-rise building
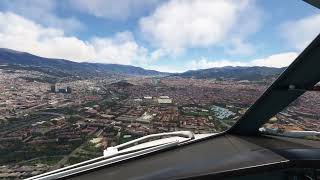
[53,88]
[62,90]
[69,90]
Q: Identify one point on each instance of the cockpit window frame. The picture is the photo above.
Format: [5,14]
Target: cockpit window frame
[302,74]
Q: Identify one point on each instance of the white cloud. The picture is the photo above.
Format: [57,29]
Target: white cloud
[166,68]
[43,12]
[276,60]
[22,34]
[238,46]
[301,32]
[204,63]
[181,24]
[115,9]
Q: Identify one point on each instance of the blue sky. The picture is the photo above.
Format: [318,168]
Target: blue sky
[165,35]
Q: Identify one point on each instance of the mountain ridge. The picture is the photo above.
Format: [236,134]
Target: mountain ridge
[251,73]
[17,58]
[61,68]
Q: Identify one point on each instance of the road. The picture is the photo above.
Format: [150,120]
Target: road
[64,160]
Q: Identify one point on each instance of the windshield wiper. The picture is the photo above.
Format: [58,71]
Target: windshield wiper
[119,153]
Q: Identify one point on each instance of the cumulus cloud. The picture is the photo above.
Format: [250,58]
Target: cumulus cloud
[301,32]
[179,24]
[42,11]
[275,60]
[166,68]
[239,46]
[115,10]
[22,34]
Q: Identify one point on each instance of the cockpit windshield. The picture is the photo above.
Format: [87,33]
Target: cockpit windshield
[77,77]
